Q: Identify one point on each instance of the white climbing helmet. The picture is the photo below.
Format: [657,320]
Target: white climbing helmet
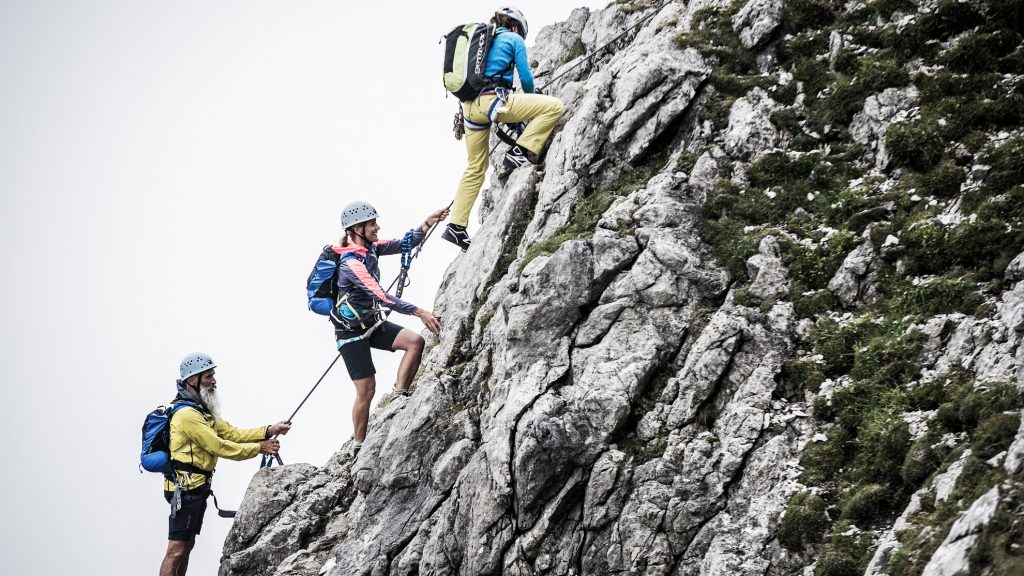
[195,363]
[356,213]
[517,15]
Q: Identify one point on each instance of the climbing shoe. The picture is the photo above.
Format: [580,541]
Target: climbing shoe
[356,447]
[457,235]
[518,156]
[403,392]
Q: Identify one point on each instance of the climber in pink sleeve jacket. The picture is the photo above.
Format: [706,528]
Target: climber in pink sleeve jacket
[358,320]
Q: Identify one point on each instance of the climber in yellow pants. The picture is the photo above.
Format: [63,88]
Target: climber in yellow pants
[542,112]
[499,104]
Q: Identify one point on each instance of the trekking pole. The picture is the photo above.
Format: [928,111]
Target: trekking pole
[268,460]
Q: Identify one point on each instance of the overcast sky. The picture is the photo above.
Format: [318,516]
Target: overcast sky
[168,173]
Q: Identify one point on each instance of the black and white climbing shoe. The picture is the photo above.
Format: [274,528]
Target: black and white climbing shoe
[518,156]
[354,450]
[457,235]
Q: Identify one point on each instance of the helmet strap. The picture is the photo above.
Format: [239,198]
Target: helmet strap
[366,243]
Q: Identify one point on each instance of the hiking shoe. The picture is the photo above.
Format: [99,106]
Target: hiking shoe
[457,235]
[356,447]
[518,156]
[403,392]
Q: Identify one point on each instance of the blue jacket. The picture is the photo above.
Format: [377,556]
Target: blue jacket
[360,277]
[508,48]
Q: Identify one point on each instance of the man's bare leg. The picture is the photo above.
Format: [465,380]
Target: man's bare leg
[176,558]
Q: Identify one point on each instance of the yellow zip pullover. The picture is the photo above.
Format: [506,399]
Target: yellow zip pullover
[196,439]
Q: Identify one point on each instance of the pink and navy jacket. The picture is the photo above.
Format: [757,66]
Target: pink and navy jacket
[359,276]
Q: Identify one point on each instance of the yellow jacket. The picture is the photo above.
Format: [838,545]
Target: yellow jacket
[197,440]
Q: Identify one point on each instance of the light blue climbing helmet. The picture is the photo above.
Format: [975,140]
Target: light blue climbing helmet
[195,363]
[356,213]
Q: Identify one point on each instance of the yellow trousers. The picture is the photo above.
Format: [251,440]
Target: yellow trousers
[541,111]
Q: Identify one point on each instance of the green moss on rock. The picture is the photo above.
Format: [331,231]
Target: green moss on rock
[918,144]
[804,374]
[804,522]
[865,504]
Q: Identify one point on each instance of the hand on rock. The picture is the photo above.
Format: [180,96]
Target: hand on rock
[433,323]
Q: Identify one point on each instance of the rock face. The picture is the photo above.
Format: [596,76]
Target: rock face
[757,20]
[880,111]
[951,557]
[627,385]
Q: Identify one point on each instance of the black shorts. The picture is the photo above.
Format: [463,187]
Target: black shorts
[187,523]
[357,354]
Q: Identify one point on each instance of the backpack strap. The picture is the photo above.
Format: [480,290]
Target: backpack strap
[353,256]
[175,464]
[349,256]
[180,403]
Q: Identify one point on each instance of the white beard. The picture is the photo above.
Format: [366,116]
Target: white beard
[212,400]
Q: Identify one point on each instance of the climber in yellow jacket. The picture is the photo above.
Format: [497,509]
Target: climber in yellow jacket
[497,103]
[199,436]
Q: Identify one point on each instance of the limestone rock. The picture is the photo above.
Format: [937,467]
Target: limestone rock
[767,271]
[757,20]
[857,277]
[750,129]
[951,557]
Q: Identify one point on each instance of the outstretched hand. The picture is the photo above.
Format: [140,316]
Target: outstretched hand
[436,217]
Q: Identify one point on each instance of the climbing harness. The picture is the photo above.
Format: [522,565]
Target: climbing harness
[179,489]
[356,321]
[401,281]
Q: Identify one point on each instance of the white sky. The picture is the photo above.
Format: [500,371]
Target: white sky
[168,174]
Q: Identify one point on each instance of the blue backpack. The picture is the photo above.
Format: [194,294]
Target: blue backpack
[322,284]
[156,437]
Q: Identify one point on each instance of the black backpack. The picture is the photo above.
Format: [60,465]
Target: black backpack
[465,59]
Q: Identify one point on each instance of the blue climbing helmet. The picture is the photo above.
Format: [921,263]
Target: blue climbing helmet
[194,363]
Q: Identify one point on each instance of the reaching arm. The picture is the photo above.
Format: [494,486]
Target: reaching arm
[228,432]
[389,247]
[194,427]
[386,247]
